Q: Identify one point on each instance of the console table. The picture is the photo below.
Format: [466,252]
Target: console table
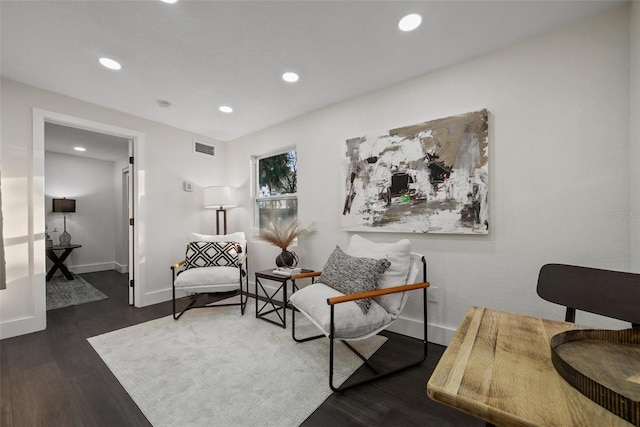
[58,261]
[276,306]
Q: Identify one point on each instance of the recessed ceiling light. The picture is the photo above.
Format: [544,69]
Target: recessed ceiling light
[290,77]
[226,109]
[110,63]
[79,148]
[169,1]
[410,22]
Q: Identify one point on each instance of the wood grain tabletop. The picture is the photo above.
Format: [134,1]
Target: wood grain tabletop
[498,368]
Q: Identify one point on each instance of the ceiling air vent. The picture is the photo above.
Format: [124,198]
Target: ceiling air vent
[201,147]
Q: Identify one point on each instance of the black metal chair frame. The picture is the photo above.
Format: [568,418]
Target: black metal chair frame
[243,271]
[377,374]
[614,294]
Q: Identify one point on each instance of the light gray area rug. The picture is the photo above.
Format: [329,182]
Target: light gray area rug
[64,293]
[214,367]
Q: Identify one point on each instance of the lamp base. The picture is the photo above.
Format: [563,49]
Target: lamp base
[224,220]
[65,239]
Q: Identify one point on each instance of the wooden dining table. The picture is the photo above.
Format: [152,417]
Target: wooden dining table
[498,368]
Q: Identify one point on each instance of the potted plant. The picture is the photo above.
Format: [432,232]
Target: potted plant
[282,234]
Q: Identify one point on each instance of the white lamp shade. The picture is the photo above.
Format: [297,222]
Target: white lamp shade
[220,197]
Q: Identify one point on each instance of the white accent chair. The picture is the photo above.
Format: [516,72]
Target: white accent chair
[204,274]
[339,317]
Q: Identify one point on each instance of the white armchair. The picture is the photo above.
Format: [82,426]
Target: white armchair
[359,293]
[213,264]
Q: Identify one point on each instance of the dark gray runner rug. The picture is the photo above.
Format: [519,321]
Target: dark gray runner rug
[64,293]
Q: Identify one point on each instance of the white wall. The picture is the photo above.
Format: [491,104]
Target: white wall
[561,159]
[559,149]
[90,182]
[170,214]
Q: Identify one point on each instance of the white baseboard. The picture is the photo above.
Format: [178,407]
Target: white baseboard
[163,295]
[91,268]
[410,327]
[26,325]
[35,321]
[101,266]
[413,328]
[121,268]
[157,297]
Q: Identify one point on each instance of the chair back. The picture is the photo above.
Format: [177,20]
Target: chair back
[609,293]
[233,237]
[417,269]
[417,273]
[398,253]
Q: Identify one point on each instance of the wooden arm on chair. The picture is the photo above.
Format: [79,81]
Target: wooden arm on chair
[305,275]
[177,265]
[243,258]
[376,293]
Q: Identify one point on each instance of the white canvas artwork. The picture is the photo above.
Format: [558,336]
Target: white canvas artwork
[432,177]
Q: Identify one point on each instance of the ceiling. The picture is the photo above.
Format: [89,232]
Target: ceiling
[199,55]
[62,139]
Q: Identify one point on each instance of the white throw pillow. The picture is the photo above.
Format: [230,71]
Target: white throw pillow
[232,237]
[399,254]
[351,322]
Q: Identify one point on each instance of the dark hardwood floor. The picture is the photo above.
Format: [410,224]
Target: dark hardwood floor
[55,378]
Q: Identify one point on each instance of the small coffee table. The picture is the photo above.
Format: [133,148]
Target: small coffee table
[273,305]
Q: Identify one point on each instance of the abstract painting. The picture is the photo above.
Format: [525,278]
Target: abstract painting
[432,177]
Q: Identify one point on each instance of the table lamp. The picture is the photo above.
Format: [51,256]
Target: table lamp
[221,198]
[65,206]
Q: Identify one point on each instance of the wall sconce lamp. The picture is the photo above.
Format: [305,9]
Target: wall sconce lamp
[64,206]
[221,198]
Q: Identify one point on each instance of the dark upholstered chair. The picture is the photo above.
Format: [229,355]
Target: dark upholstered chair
[608,293]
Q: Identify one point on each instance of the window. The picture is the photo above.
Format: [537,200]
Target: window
[276,183]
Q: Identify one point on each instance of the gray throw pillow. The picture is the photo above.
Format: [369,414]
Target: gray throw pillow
[350,275]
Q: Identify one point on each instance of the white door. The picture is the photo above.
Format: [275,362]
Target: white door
[131,223]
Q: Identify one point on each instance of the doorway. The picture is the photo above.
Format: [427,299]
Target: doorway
[135,145]
[86,165]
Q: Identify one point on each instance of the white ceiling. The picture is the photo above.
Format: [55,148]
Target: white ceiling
[199,55]
[63,139]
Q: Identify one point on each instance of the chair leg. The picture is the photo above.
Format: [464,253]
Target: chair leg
[173,296]
[173,291]
[363,358]
[378,375]
[243,302]
[194,298]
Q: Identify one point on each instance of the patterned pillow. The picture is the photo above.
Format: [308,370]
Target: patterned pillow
[350,275]
[212,254]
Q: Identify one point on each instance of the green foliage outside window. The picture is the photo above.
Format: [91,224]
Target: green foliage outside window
[278,174]
[277,186]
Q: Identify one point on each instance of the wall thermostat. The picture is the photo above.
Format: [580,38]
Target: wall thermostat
[187,186]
